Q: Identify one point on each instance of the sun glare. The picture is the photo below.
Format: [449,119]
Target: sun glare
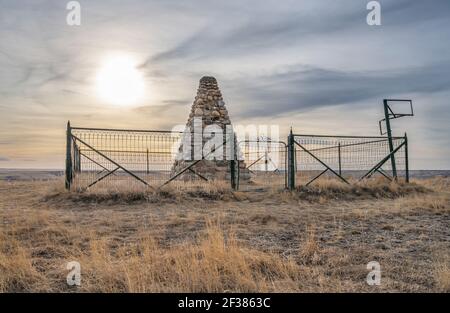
[119,82]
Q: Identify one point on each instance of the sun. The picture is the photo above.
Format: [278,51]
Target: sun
[119,82]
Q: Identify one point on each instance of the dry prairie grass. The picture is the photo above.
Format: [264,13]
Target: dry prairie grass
[442,272]
[125,192]
[213,263]
[373,188]
[317,239]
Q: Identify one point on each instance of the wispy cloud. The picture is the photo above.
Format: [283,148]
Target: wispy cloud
[305,87]
[273,59]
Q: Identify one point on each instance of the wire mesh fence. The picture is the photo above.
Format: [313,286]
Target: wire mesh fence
[349,157]
[120,158]
[135,159]
[263,164]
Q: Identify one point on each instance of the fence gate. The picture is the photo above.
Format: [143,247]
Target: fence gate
[261,164]
[346,158]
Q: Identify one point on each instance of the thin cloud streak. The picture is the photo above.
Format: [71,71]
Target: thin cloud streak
[272,59]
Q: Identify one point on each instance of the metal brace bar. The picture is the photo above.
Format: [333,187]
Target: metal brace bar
[269,159]
[381,169]
[98,173]
[103,177]
[381,163]
[383,173]
[191,165]
[320,161]
[179,173]
[323,172]
[201,176]
[248,167]
[112,161]
[104,168]
[274,165]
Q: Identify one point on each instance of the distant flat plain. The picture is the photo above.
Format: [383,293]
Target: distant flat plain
[11,174]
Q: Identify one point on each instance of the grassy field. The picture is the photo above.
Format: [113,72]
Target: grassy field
[315,239]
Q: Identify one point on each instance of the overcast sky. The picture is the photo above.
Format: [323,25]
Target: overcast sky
[313,65]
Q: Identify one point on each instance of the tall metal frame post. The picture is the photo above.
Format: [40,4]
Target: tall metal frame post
[406,160]
[389,134]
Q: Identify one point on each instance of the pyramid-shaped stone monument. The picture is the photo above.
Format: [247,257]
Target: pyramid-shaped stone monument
[208,112]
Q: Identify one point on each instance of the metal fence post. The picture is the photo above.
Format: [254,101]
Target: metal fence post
[76,159]
[406,159]
[231,152]
[148,165]
[78,167]
[291,161]
[339,159]
[79,160]
[266,161]
[286,186]
[389,133]
[233,174]
[68,156]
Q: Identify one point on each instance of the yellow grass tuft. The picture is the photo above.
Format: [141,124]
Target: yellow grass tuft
[309,250]
[442,273]
[17,272]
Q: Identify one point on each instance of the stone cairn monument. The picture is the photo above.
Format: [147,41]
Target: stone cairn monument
[208,109]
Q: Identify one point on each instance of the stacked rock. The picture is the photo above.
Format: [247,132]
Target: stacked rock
[209,105]
[209,108]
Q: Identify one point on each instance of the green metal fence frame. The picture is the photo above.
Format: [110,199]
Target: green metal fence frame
[292,161]
[73,165]
[389,115]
